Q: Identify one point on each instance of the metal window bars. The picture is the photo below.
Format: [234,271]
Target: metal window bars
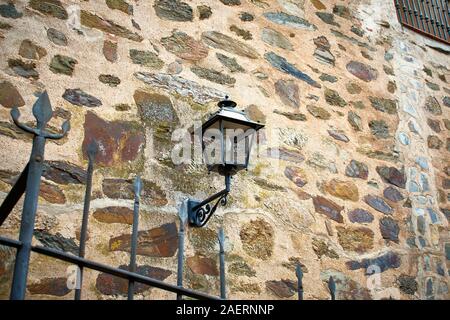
[28,182]
[429,17]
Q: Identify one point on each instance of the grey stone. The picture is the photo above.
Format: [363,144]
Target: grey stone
[289,20]
[80,98]
[57,37]
[174,10]
[288,92]
[275,38]
[378,204]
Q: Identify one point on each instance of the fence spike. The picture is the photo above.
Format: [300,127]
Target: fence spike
[332,288]
[299,274]
[221,237]
[183,215]
[137,185]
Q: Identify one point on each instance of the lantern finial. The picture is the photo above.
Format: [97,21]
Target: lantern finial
[226,103]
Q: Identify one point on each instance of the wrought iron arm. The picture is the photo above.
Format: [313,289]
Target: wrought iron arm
[201,212]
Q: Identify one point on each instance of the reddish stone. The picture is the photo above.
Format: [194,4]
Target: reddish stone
[287,90]
[202,265]
[10,96]
[156,242]
[286,154]
[283,288]
[328,208]
[111,285]
[185,46]
[50,286]
[123,189]
[110,50]
[392,175]
[114,215]
[63,172]
[51,193]
[362,71]
[296,175]
[119,141]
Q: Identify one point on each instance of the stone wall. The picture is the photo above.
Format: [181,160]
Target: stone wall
[357,121]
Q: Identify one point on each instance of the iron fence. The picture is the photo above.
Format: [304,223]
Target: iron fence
[28,183]
[429,17]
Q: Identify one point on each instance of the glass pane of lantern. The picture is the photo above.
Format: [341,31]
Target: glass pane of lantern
[212,146]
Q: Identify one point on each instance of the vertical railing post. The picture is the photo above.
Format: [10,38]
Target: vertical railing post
[42,111]
[223,294]
[91,152]
[183,215]
[332,288]
[134,235]
[299,273]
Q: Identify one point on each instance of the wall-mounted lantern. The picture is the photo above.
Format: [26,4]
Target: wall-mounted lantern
[227,138]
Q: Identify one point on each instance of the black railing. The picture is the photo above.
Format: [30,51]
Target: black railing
[28,183]
[429,17]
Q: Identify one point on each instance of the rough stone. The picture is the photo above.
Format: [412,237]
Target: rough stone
[57,37]
[30,50]
[276,38]
[52,8]
[120,5]
[213,76]
[288,92]
[80,98]
[321,248]
[328,208]
[186,88]
[146,59]
[92,20]
[355,121]
[342,11]
[356,169]
[109,79]
[63,172]
[333,98]
[379,129]
[283,65]
[204,12]
[185,46]
[360,216]
[257,238]
[57,241]
[240,268]
[202,265]
[8,10]
[118,141]
[327,18]
[50,286]
[393,194]
[63,64]
[24,69]
[10,97]
[221,41]
[338,135]
[434,142]
[318,112]
[355,239]
[282,288]
[110,50]
[283,153]
[407,284]
[433,106]
[151,194]
[51,193]
[345,190]
[386,261]
[288,20]
[173,10]
[378,204]
[246,16]
[157,242]
[244,34]
[353,88]
[296,175]
[318,4]
[435,125]
[384,105]
[362,71]
[389,229]
[230,63]
[122,215]
[155,109]
[110,285]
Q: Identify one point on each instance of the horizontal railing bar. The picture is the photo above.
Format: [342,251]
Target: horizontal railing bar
[120,273]
[10,242]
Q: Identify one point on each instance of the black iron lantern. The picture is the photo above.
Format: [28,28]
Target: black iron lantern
[227,138]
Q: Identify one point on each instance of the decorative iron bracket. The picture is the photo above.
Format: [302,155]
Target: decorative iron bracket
[199,212]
